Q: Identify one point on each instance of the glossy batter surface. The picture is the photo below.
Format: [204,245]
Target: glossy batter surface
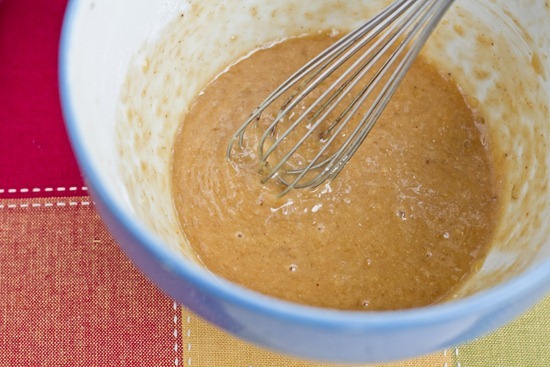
[409,217]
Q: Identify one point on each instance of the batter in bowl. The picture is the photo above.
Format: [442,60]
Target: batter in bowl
[406,221]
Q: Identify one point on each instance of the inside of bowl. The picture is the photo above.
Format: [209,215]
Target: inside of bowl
[497,50]
[499,53]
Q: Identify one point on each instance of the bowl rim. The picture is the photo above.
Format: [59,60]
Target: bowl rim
[529,281]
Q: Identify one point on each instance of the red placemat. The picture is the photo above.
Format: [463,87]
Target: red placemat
[68,296]
[35,157]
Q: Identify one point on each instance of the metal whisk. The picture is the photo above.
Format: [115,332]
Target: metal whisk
[329,93]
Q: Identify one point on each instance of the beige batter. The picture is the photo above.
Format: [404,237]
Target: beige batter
[405,222]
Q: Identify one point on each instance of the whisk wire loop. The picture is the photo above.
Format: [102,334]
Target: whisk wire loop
[325,58]
[429,21]
[393,38]
[358,69]
[332,166]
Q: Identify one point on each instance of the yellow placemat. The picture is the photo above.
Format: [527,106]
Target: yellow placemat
[207,346]
[523,343]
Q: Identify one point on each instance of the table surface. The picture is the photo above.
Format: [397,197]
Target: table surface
[68,296]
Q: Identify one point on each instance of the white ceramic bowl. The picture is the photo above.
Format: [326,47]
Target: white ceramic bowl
[499,50]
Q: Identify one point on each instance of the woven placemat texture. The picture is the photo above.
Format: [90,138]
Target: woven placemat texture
[525,342]
[205,345]
[70,297]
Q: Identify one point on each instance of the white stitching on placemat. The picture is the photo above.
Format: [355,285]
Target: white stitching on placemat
[454,352]
[188,338]
[45,205]
[176,344]
[46,189]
